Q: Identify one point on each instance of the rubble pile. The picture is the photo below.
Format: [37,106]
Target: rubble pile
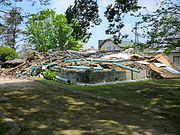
[158,66]
[36,63]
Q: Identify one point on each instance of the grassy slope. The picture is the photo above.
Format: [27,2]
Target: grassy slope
[164,93]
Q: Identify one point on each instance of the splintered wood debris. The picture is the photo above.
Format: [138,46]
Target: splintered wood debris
[36,63]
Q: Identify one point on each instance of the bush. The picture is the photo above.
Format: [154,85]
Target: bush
[49,75]
[7,54]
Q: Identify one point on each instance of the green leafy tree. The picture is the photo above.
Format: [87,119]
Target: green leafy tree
[84,13]
[115,14]
[10,29]
[47,30]
[162,27]
[10,3]
[7,54]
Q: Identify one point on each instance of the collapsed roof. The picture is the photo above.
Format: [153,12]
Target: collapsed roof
[157,66]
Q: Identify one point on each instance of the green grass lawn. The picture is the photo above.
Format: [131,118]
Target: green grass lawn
[40,109]
[3,126]
[163,93]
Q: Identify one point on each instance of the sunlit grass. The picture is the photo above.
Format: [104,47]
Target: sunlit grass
[163,93]
[43,109]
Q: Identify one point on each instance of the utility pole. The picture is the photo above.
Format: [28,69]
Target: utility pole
[136,38]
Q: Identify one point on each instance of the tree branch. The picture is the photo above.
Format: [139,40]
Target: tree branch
[1,1]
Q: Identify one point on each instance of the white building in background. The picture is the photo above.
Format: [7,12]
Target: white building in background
[109,44]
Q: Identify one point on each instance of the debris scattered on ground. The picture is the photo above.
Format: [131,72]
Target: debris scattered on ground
[36,63]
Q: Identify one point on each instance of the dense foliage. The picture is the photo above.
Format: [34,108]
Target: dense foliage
[85,13]
[50,75]
[47,31]
[7,54]
[160,27]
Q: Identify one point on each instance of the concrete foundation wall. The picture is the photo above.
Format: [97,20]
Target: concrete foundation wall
[141,75]
[92,76]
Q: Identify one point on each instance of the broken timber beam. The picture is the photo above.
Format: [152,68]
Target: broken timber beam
[73,60]
[126,67]
[81,67]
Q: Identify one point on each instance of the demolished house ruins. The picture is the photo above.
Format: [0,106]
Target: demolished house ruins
[102,66]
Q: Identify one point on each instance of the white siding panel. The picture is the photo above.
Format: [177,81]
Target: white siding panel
[109,45]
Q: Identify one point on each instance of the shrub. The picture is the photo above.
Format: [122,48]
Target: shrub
[49,75]
[7,54]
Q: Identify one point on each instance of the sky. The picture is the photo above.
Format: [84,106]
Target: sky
[98,32]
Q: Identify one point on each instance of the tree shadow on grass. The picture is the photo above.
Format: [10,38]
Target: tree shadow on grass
[45,110]
[163,94]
